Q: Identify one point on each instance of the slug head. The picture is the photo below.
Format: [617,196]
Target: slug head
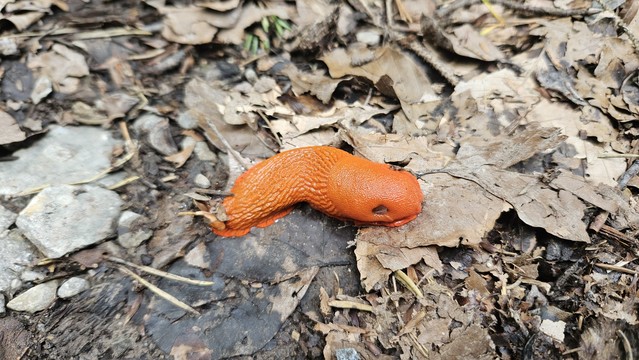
[370,193]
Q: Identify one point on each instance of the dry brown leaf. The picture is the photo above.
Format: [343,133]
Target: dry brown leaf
[42,87]
[477,283]
[472,342]
[30,5]
[570,121]
[576,47]
[392,72]
[63,66]
[584,190]
[559,213]
[85,114]
[603,196]
[506,151]
[337,115]
[487,104]
[468,42]
[199,96]
[371,270]
[117,105]
[326,136]
[195,25]
[181,156]
[24,20]
[376,262]
[311,11]
[316,83]
[397,148]
[10,130]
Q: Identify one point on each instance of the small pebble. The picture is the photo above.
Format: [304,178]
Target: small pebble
[347,354]
[30,276]
[157,132]
[250,75]
[204,153]
[35,299]
[132,230]
[72,287]
[186,120]
[202,181]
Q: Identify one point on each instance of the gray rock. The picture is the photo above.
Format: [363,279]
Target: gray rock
[66,218]
[31,276]
[35,299]
[157,132]
[202,181]
[3,308]
[204,153]
[132,230]
[65,155]
[347,354]
[186,120]
[7,218]
[72,287]
[16,255]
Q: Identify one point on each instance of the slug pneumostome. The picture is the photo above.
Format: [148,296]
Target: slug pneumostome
[331,181]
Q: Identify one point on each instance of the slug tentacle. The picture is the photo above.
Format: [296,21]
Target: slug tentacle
[330,180]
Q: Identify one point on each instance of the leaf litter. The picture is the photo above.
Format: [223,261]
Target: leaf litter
[518,120]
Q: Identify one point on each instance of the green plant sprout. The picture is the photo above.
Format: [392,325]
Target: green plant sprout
[260,38]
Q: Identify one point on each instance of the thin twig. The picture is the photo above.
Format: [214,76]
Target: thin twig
[632,171]
[126,181]
[625,156]
[154,271]
[626,345]
[159,292]
[343,304]
[617,268]
[426,55]
[520,7]
[408,282]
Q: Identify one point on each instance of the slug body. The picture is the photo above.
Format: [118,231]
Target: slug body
[331,181]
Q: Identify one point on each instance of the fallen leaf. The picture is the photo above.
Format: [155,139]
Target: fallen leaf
[195,25]
[63,66]
[391,71]
[10,130]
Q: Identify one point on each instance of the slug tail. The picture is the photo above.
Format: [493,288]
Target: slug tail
[231,232]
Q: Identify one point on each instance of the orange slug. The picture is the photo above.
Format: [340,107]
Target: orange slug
[331,181]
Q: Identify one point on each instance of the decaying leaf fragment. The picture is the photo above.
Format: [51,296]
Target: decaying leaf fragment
[392,72]
[10,130]
[195,25]
[63,66]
